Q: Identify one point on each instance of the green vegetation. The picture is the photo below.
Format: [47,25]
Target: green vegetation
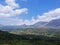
[28,39]
[50,32]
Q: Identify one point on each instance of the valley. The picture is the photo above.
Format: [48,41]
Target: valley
[41,33]
[30,36]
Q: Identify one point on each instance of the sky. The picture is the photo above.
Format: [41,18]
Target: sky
[29,12]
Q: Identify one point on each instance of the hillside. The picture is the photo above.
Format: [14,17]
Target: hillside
[50,32]
[54,23]
[12,39]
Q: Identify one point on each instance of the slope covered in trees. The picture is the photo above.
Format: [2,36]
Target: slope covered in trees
[12,39]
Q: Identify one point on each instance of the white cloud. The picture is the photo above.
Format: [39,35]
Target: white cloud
[30,22]
[11,21]
[48,16]
[12,3]
[11,9]
[16,21]
[19,11]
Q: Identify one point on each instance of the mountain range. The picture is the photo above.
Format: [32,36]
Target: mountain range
[54,23]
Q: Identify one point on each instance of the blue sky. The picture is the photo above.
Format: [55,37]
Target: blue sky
[27,11]
[38,7]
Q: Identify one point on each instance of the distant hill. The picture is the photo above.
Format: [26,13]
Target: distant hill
[51,24]
[30,31]
[13,39]
[17,27]
[39,24]
[54,23]
[50,32]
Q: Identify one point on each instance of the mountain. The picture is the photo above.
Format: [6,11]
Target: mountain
[12,27]
[54,23]
[39,24]
[39,28]
[17,27]
[32,31]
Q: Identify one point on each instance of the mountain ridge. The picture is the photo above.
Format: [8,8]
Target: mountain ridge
[51,24]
